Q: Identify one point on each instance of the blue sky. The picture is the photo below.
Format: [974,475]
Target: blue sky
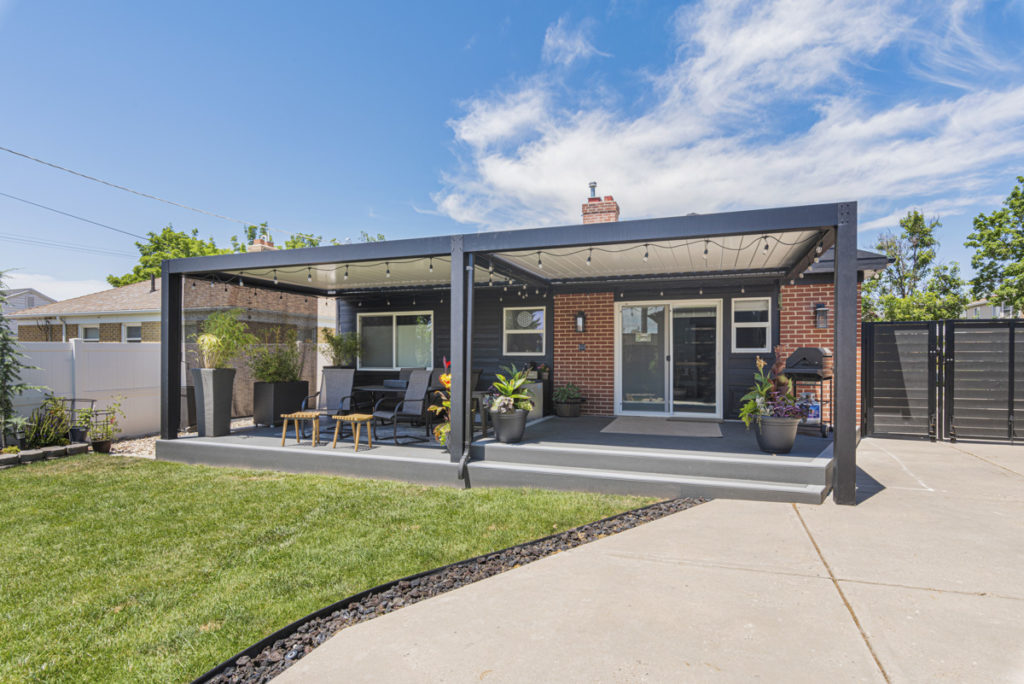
[429,118]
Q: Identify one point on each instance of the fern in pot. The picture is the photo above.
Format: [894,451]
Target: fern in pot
[277,364]
[511,405]
[223,336]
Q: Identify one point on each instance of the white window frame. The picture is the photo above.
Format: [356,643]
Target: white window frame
[543,331]
[767,325]
[394,338]
[124,332]
[90,327]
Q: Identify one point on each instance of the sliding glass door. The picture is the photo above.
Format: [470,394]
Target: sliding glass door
[668,358]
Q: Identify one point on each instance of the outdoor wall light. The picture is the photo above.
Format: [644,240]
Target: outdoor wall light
[820,315]
[581,322]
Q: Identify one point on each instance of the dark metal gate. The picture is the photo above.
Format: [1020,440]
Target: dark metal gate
[958,379]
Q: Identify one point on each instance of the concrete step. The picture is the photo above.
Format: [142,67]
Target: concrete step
[505,474]
[758,467]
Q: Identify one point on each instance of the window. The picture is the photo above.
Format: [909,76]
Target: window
[133,333]
[91,333]
[396,340]
[751,325]
[523,331]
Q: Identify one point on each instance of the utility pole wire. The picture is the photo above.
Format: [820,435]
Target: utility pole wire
[134,192]
[64,213]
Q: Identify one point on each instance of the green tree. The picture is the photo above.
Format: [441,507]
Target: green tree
[167,244]
[11,367]
[914,287]
[998,261]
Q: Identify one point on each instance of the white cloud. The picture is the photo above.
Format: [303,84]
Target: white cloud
[564,45]
[50,286]
[719,132]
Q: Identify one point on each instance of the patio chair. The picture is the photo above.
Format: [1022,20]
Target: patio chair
[336,396]
[411,409]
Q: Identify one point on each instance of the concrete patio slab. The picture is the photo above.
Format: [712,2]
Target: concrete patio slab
[922,581]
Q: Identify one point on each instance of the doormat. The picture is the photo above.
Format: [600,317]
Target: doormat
[637,425]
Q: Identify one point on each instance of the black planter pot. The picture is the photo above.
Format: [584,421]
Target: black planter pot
[776,435]
[213,400]
[509,427]
[101,446]
[271,399]
[568,409]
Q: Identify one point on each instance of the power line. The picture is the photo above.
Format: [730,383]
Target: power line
[79,218]
[134,192]
[49,244]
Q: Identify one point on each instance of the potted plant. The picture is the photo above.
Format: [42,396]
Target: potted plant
[103,426]
[568,400]
[511,406]
[771,405]
[343,348]
[223,336]
[277,365]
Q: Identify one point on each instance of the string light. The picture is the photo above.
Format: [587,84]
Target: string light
[646,255]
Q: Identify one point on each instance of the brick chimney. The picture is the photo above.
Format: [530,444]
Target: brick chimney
[263,243]
[598,210]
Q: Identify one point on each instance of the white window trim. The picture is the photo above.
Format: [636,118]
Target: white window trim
[394,338]
[767,325]
[543,332]
[89,327]
[124,333]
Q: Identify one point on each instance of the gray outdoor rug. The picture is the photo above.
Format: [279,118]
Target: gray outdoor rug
[637,425]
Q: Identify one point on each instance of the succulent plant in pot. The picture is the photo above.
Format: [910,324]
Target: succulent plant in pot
[223,336]
[770,405]
[511,405]
[568,400]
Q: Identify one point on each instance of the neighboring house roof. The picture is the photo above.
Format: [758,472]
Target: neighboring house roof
[135,297]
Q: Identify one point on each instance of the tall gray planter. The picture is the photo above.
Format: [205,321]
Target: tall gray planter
[213,400]
[271,399]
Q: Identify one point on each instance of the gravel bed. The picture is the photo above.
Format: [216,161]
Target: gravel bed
[268,658]
[145,447]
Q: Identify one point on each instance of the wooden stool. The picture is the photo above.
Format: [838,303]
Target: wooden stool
[357,419]
[295,418]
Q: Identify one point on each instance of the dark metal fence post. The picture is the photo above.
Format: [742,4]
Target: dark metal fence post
[845,359]
[170,353]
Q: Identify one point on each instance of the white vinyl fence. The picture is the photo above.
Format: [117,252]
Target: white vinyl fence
[98,370]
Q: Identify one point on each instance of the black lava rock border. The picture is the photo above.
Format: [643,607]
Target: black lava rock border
[267,658]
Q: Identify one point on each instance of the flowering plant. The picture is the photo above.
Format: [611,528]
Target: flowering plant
[443,410]
[771,395]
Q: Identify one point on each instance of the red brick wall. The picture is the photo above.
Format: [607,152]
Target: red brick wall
[797,322]
[593,370]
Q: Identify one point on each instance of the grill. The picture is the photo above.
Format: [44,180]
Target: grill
[808,363]
[806,366]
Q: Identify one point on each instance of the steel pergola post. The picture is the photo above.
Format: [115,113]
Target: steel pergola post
[170,353]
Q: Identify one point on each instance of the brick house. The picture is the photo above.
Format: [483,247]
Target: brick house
[662,318]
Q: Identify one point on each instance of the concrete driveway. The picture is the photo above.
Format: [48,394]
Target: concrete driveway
[922,581]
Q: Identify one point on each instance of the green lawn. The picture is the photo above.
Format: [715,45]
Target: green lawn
[115,569]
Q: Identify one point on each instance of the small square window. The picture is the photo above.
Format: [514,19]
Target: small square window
[751,325]
[133,333]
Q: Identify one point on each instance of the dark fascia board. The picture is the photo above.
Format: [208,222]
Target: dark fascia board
[757,221]
[816,216]
[312,256]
